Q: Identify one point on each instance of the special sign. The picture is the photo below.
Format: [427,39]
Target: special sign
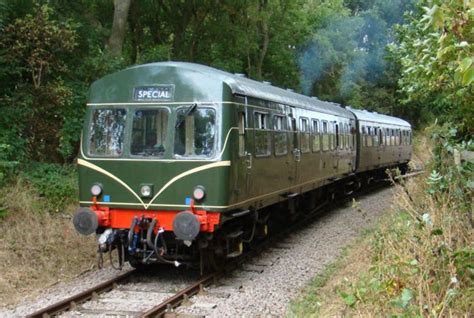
[153,93]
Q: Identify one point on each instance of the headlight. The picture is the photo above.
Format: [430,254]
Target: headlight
[145,191]
[199,192]
[96,190]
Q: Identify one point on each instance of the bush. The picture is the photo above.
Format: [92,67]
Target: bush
[56,184]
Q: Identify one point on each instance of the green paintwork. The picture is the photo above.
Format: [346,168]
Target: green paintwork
[240,185]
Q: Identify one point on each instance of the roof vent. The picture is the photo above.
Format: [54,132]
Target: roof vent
[290,90]
[239,74]
[267,82]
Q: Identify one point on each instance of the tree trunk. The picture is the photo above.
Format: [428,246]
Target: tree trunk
[265,38]
[115,43]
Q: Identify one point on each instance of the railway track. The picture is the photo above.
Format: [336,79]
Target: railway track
[173,300]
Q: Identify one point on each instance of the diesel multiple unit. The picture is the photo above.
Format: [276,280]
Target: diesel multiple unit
[180,161]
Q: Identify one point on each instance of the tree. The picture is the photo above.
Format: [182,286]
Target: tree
[119,27]
[35,53]
[436,53]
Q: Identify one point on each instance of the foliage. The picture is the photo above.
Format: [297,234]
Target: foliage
[55,184]
[6,164]
[436,53]
[422,257]
[34,52]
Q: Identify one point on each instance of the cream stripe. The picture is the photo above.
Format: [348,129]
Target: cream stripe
[180,176]
[108,174]
[323,182]
[187,103]
[187,173]
[158,205]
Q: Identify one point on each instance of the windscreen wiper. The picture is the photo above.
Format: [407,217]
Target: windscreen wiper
[189,111]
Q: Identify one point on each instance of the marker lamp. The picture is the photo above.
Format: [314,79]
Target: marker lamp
[199,193]
[96,190]
[145,191]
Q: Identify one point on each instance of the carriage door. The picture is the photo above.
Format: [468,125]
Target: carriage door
[295,154]
[244,173]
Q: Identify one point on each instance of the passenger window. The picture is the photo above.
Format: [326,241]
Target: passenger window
[305,135]
[346,134]
[369,137]
[364,136]
[375,137]
[352,137]
[332,139]
[325,136]
[340,135]
[280,135]
[316,136]
[242,134]
[262,136]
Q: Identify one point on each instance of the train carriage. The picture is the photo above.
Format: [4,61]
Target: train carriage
[178,160]
[384,141]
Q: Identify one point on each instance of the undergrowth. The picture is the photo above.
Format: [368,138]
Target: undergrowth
[422,253]
[422,261]
[37,249]
[55,184]
[38,245]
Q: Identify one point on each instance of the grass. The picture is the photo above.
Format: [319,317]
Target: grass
[419,261]
[37,248]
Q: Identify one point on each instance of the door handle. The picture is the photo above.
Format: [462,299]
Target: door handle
[248,160]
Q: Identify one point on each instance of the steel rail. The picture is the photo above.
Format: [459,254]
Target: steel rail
[174,301]
[80,298]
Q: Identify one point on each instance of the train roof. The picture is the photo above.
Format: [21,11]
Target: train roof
[364,115]
[247,87]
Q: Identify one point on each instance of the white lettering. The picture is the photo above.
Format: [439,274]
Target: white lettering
[153,93]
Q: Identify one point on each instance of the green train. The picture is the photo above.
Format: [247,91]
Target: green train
[181,163]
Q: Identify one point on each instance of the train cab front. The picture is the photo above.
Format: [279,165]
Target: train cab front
[153,174]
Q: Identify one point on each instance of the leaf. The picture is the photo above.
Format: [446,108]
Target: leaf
[437,232]
[349,299]
[465,64]
[470,184]
[406,297]
[468,77]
